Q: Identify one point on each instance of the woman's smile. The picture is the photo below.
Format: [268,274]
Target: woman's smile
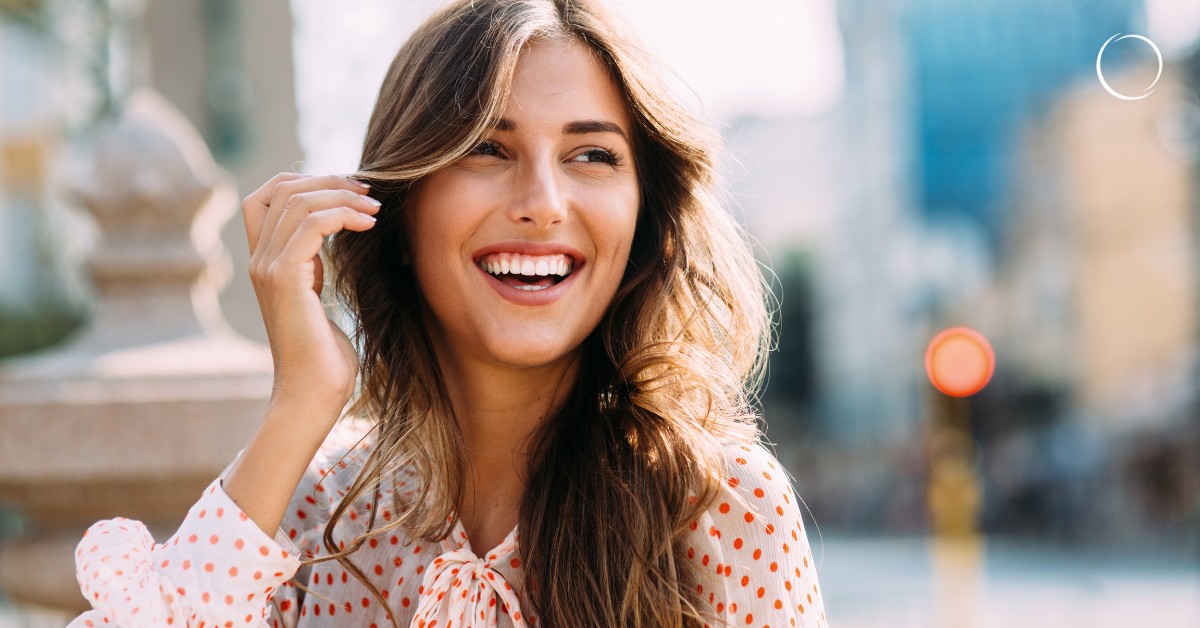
[530,273]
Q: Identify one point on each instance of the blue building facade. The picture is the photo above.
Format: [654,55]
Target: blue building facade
[980,69]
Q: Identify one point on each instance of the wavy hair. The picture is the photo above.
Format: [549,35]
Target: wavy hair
[667,378]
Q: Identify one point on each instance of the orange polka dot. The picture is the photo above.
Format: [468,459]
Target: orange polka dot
[724,508]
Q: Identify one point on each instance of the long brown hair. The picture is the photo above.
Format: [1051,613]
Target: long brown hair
[666,379]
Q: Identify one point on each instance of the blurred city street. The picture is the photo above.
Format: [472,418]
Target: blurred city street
[891,583]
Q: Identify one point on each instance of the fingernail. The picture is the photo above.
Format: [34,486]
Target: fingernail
[365,185]
[372,201]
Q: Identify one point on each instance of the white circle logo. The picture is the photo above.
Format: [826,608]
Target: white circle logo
[1114,92]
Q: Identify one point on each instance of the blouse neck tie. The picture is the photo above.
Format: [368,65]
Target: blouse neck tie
[460,586]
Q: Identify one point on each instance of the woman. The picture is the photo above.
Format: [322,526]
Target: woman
[557,327]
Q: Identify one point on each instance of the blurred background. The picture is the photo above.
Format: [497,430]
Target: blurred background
[904,166]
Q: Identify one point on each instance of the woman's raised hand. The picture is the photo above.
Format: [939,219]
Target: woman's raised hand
[287,220]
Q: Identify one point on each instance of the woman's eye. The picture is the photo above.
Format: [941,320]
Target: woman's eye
[486,148]
[599,155]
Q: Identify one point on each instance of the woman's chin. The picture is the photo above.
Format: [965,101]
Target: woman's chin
[530,352]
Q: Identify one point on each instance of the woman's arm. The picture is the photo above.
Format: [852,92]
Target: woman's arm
[223,565]
[219,567]
[287,221]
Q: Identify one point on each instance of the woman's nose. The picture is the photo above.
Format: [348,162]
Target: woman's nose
[540,197]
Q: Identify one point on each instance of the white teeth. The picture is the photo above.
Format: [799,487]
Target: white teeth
[509,264]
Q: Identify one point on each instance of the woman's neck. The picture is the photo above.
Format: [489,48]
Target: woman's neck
[497,409]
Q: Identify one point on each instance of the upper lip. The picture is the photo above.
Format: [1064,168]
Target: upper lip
[531,248]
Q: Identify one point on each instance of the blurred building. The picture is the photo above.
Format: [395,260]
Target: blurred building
[1099,294]
[828,197]
[980,70]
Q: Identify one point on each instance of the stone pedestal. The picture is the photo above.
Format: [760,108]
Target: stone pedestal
[141,409]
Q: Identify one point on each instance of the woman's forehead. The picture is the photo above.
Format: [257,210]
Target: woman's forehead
[560,85]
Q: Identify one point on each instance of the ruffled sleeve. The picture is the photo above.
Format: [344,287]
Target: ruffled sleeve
[219,569]
[753,545]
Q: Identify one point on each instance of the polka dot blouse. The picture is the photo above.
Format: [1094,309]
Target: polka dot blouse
[220,569]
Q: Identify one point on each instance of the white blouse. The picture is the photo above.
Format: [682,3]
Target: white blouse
[220,569]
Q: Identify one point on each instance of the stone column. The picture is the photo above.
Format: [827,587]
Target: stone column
[138,412]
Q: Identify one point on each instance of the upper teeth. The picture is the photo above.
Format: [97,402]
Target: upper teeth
[531,265]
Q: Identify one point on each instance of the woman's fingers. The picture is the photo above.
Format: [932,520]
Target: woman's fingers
[297,255]
[256,205]
[299,206]
[286,190]
[262,208]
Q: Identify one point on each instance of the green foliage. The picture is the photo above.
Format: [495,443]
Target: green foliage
[26,332]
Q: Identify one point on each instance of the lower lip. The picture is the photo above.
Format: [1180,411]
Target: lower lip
[544,296]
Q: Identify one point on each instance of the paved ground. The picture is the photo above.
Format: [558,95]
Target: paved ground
[901,583]
[905,583]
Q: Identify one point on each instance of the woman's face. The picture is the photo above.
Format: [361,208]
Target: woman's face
[552,188]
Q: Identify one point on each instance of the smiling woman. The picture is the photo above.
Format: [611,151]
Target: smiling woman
[558,331]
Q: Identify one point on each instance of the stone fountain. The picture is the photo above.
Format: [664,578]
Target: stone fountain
[146,404]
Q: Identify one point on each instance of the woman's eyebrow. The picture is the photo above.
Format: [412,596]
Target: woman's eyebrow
[578,127]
